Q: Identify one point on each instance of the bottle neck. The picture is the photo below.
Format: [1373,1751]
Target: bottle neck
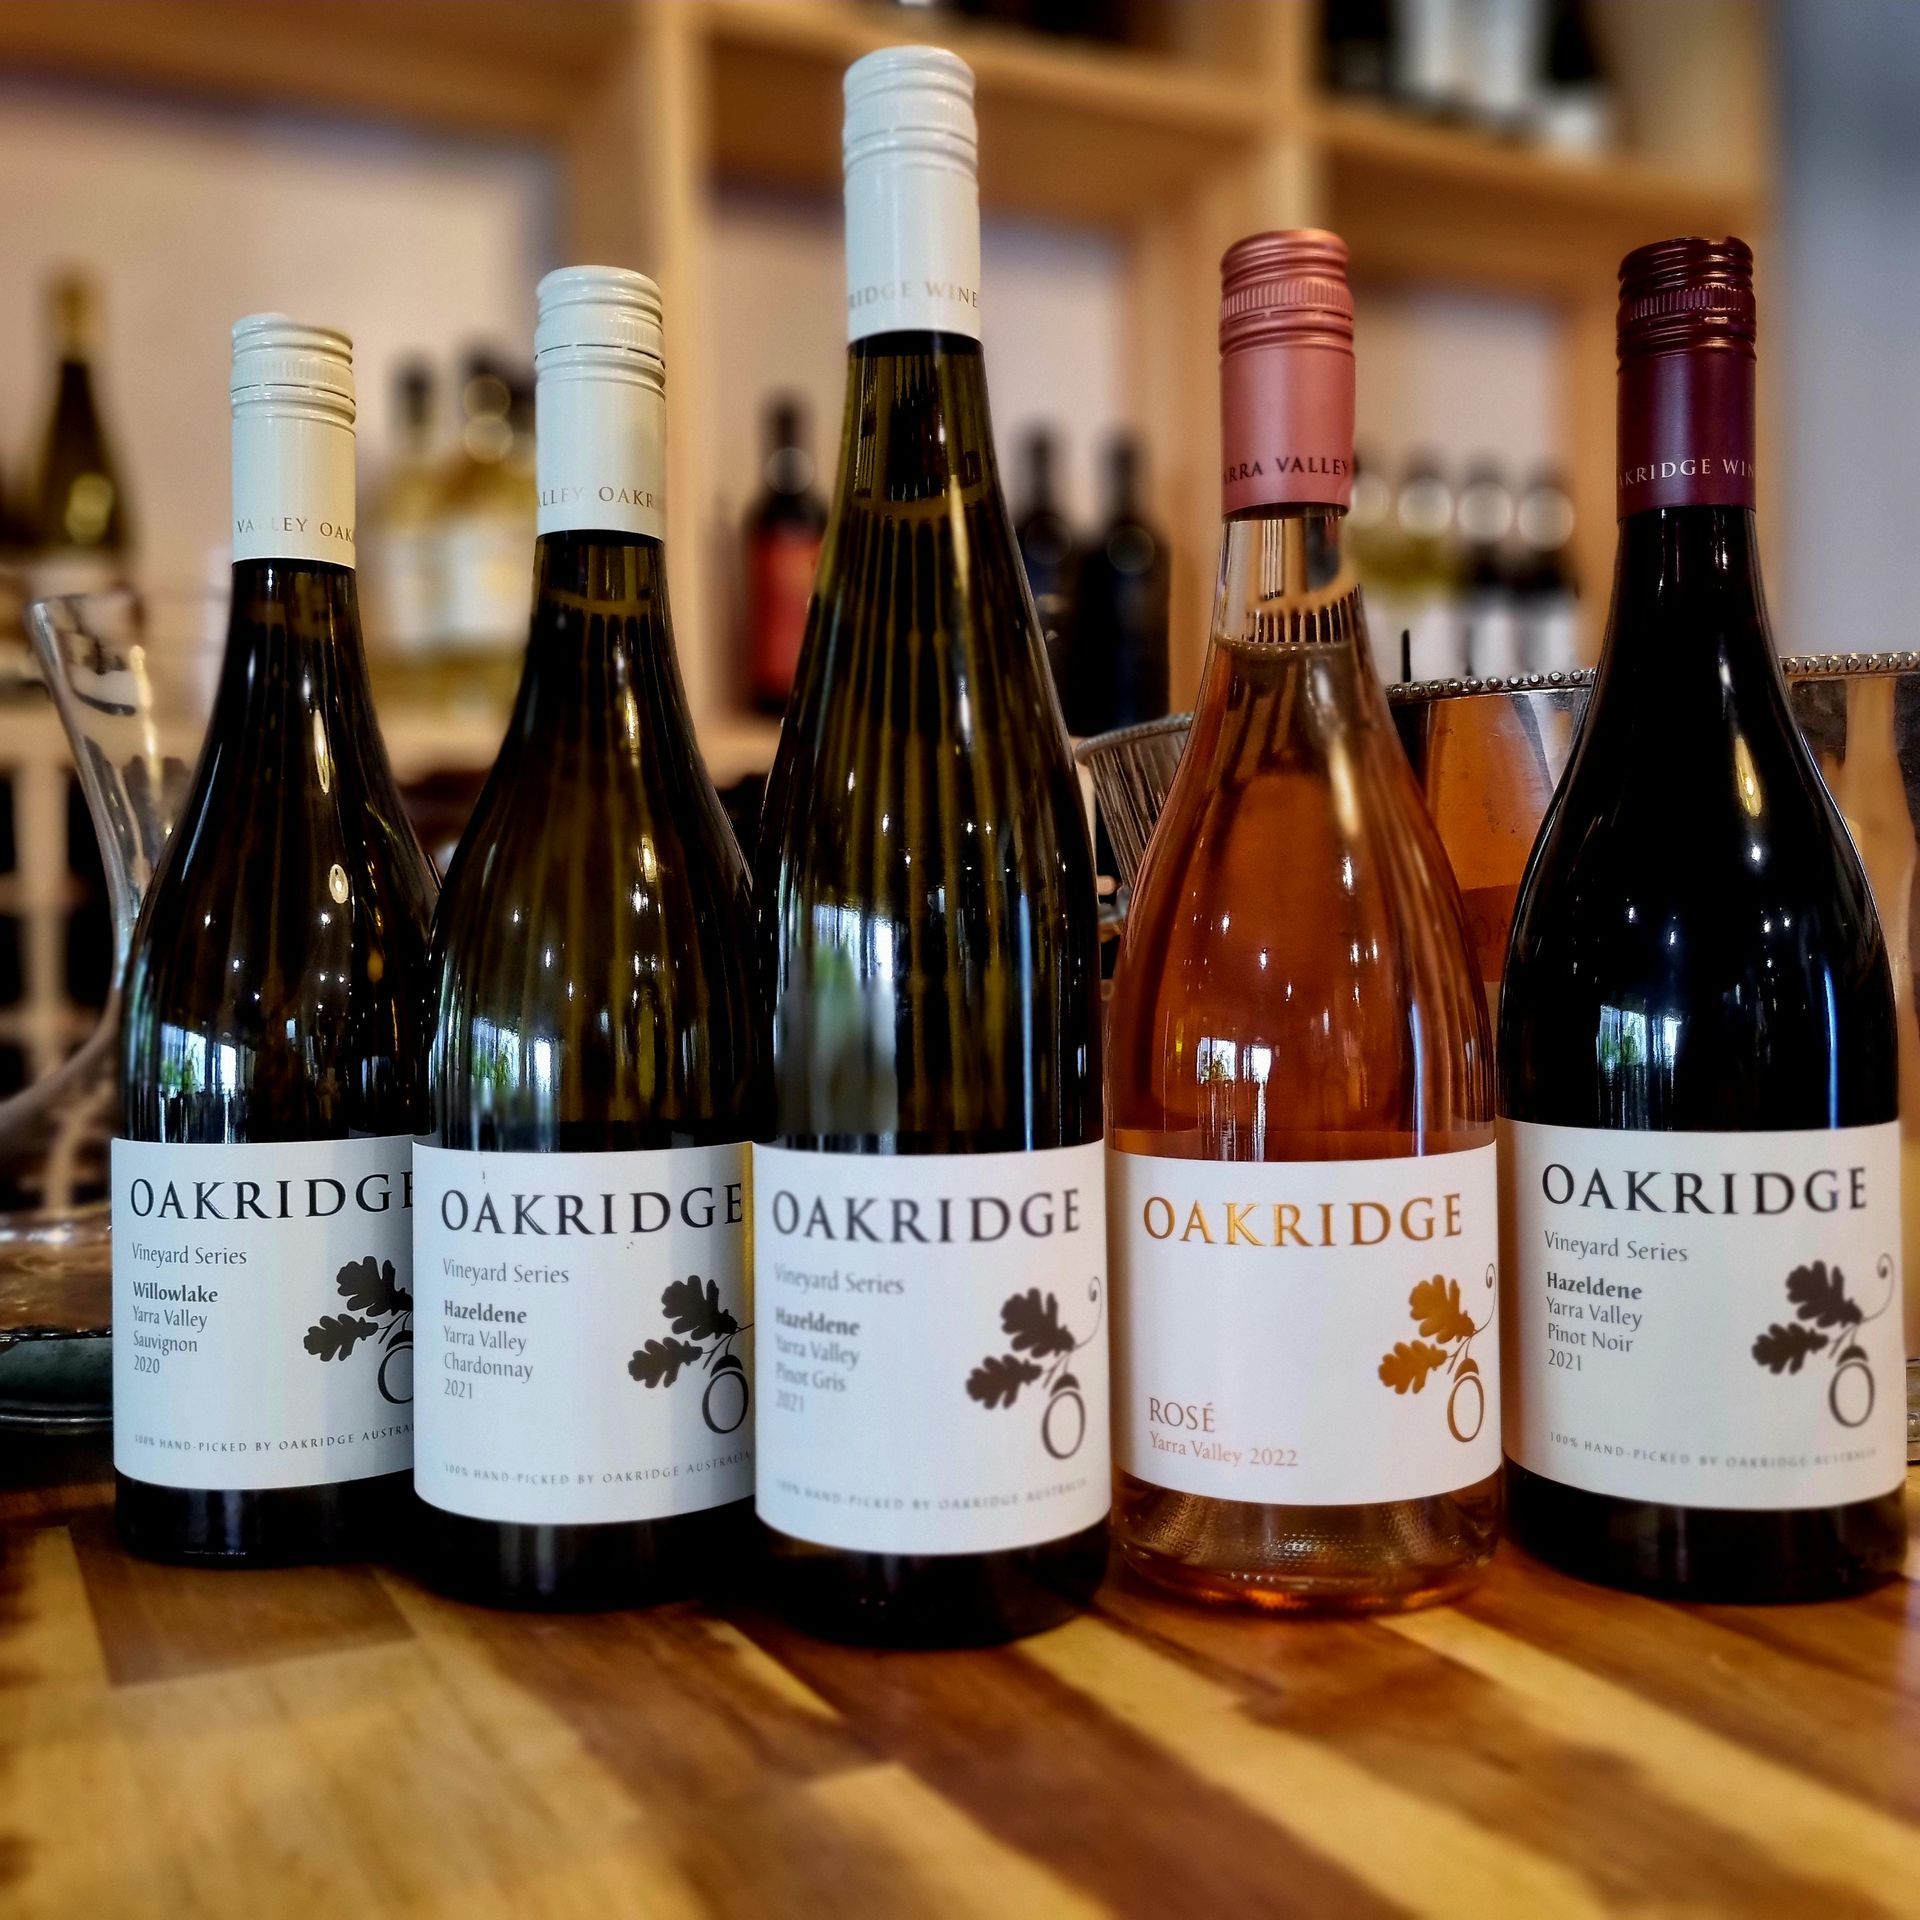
[1688,604]
[1687,582]
[913,246]
[1285,579]
[600,652]
[601,454]
[293,487]
[917,429]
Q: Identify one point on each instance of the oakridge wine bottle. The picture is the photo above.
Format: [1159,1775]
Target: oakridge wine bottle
[1700,1167]
[1300,1078]
[929,1209]
[271,1046]
[581,1216]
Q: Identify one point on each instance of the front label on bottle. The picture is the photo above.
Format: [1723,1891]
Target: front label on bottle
[1706,1319]
[1307,1333]
[586,1334]
[292,487]
[933,1353]
[262,1312]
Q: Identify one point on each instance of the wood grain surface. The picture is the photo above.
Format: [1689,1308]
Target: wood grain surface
[340,1742]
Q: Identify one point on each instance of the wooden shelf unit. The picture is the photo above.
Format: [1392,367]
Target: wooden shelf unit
[652,103]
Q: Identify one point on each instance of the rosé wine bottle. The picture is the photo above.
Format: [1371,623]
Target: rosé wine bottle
[1300,1088]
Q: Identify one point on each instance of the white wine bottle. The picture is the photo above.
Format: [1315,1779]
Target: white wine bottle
[586,1438]
[271,1046]
[929,1207]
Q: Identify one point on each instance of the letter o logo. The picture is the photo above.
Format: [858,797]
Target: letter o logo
[449,1200]
[1147,1215]
[142,1207]
[786,1212]
[1546,1183]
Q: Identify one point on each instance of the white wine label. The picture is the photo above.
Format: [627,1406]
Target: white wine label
[292,488]
[913,249]
[933,1360]
[1706,1319]
[262,1312]
[586,1333]
[1307,1332]
[601,452]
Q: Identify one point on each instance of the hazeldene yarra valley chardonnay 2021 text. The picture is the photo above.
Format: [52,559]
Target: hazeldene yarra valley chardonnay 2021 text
[1701,1183]
[1300,1080]
[271,1046]
[929,1215]
[585,1323]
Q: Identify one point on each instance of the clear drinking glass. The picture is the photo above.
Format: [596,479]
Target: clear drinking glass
[131,677]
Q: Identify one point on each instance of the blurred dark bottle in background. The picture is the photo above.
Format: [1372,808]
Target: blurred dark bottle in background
[1048,549]
[1118,670]
[1490,613]
[1547,602]
[783,547]
[77,521]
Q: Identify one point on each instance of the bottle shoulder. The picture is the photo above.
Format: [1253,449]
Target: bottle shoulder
[1696,937]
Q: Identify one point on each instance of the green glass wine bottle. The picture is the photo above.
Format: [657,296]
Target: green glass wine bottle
[271,1046]
[585,1437]
[929,1207]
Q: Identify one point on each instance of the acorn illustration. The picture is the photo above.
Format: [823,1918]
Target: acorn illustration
[724,1404]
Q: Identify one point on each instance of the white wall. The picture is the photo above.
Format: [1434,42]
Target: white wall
[1456,374]
[1848,284]
[193,216]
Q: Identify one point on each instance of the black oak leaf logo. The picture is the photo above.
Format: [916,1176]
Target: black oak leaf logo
[1445,1347]
[692,1308]
[1042,1345]
[1818,1294]
[658,1363]
[997,1380]
[380,1315]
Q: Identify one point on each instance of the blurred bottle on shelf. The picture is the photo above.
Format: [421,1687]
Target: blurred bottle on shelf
[1430,54]
[1574,112]
[783,536]
[1490,611]
[1069,19]
[1049,551]
[487,510]
[78,525]
[1356,47]
[1504,71]
[1548,601]
[1525,68]
[1372,547]
[1433,648]
[402,539]
[1118,672]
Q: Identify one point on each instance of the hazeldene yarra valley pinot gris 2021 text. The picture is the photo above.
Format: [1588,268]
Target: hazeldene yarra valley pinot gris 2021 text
[272,1044]
[1300,1080]
[929,1218]
[1698,1055]
[585,1326]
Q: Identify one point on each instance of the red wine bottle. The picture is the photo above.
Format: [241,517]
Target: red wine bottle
[1697,1055]
[783,548]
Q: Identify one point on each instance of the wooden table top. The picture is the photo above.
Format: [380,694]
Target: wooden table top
[340,1742]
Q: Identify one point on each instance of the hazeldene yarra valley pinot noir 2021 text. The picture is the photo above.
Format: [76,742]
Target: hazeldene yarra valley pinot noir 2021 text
[1697,1055]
